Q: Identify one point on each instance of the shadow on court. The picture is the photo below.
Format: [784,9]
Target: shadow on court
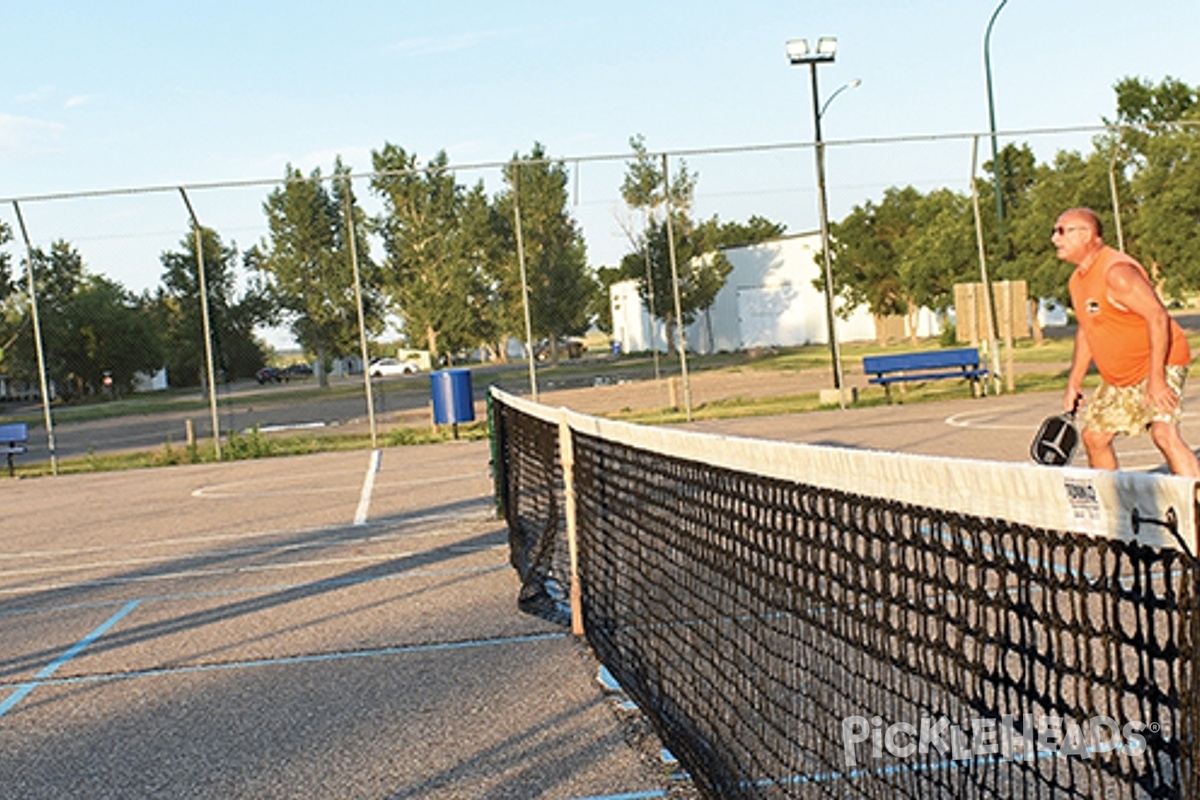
[226,631]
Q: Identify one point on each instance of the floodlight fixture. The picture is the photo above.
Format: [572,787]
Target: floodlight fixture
[798,51]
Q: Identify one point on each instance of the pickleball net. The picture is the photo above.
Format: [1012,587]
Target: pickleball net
[803,621]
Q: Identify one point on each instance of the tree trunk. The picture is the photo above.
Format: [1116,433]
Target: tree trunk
[319,367]
[881,337]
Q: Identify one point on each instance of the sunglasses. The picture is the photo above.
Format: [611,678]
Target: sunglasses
[1059,230]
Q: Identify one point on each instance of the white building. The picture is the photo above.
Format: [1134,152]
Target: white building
[769,299]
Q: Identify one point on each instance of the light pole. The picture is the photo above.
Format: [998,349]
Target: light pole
[799,53]
[996,171]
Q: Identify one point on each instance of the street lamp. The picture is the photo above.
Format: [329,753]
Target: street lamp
[996,172]
[798,52]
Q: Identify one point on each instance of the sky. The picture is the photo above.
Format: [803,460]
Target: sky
[143,93]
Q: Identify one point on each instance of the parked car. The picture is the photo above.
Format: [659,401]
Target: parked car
[383,367]
[269,375]
[567,347]
[297,371]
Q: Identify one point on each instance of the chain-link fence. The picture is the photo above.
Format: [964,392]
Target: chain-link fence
[327,295]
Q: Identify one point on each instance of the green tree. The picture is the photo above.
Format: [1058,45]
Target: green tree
[432,271]
[867,249]
[700,265]
[110,334]
[232,316]
[58,275]
[1165,177]
[308,263]
[941,252]
[6,276]
[92,327]
[561,287]
[10,317]
[1073,179]
[904,253]
[1017,175]
[1165,232]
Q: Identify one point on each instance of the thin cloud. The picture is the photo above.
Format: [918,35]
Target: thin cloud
[23,136]
[77,100]
[451,43]
[35,96]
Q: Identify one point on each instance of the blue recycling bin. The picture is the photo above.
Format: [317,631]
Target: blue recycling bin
[452,398]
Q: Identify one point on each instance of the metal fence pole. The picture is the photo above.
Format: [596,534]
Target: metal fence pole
[533,388]
[680,338]
[1112,188]
[358,300]
[37,343]
[989,307]
[208,354]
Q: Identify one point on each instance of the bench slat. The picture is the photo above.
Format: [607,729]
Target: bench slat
[927,366]
[14,432]
[929,376]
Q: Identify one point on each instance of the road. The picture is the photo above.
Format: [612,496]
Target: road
[247,405]
[239,408]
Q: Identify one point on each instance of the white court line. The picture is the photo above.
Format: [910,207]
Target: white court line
[260,589]
[364,498]
[965,420]
[408,533]
[213,572]
[220,491]
[978,420]
[310,658]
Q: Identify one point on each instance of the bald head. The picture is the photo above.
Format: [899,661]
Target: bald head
[1077,234]
[1083,216]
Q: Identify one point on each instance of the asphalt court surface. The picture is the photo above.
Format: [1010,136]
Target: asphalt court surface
[994,428]
[338,626]
[318,626]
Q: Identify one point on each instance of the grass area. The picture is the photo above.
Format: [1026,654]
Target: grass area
[740,407]
[255,444]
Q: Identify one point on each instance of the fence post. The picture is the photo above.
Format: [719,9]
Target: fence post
[208,354]
[533,388]
[989,306]
[680,334]
[566,454]
[358,302]
[37,344]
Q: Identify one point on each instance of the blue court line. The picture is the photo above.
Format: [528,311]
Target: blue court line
[312,658]
[47,671]
[266,588]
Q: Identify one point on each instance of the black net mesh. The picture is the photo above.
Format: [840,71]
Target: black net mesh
[529,487]
[789,641]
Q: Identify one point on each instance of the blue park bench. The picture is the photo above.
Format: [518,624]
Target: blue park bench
[934,365]
[13,436]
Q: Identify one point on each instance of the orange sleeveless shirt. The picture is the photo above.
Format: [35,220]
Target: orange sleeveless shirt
[1118,338]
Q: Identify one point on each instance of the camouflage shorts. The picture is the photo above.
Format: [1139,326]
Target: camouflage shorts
[1123,409]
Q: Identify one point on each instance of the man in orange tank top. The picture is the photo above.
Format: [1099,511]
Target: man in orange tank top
[1141,353]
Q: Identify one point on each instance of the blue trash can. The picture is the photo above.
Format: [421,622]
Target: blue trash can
[453,401]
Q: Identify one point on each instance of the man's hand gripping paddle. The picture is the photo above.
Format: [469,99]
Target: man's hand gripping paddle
[1057,438]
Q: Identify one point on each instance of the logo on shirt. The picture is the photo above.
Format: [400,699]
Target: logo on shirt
[1093,306]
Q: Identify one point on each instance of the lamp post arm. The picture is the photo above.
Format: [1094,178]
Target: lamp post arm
[825,106]
[987,69]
